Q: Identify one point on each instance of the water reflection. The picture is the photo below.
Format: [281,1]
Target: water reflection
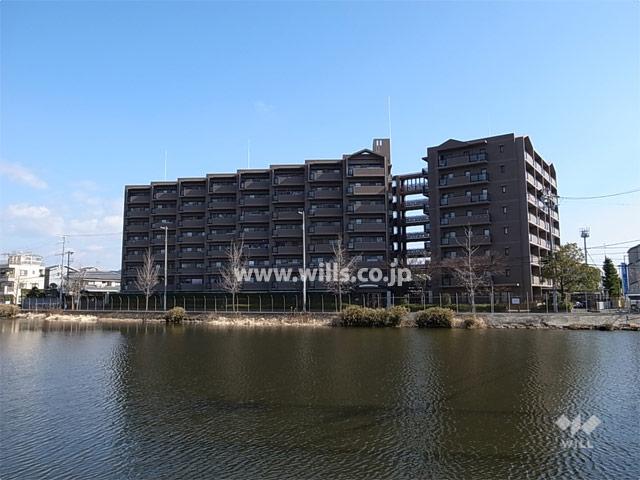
[155,401]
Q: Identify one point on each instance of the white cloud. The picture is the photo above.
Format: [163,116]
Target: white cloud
[263,107]
[23,218]
[19,174]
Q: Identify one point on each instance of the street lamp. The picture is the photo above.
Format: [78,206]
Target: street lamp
[304,263]
[166,246]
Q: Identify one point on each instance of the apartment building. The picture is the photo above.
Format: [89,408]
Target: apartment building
[347,198]
[20,271]
[499,187]
[504,191]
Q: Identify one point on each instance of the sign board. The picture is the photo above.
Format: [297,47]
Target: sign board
[515,300]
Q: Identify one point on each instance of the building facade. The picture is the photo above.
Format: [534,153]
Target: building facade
[505,193]
[20,271]
[499,187]
[633,270]
[346,199]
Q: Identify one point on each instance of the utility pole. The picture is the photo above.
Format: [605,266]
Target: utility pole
[549,202]
[304,263]
[69,253]
[166,243]
[64,238]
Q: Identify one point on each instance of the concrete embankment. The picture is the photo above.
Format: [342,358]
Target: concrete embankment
[569,321]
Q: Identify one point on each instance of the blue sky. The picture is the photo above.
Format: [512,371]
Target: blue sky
[93,93]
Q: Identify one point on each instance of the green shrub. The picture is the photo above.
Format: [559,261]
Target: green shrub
[175,315]
[435,317]
[356,316]
[9,311]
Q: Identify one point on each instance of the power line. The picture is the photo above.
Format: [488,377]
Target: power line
[93,234]
[607,245]
[601,196]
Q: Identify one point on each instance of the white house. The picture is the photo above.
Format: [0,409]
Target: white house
[20,271]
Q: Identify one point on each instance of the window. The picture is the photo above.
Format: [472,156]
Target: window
[486,232]
[501,168]
[504,210]
[507,272]
[504,188]
[506,252]
[501,148]
[469,213]
[506,230]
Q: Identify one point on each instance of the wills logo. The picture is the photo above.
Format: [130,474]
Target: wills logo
[574,426]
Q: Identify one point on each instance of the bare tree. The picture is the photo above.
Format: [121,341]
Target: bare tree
[231,273]
[74,286]
[147,277]
[343,268]
[472,271]
[421,277]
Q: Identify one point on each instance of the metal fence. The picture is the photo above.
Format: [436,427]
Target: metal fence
[316,302]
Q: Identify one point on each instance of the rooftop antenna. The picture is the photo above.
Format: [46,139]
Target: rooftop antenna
[389,114]
[165,164]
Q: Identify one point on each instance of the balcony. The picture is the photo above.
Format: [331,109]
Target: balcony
[366,190]
[194,192]
[288,232]
[191,223]
[325,212]
[321,248]
[464,200]
[186,255]
[255,184]
[256,252]
[137,228]
[139,199]
[365,227]
[416,252]
[325,194]
[466,220]
[171,239]
[461,241]
[366,208]
[253,234]
[222,220]
[462,160]
[217,252]
[136,243]
[193,208]
[261,201]
[366,172]
[135,257]
[158,225]
[463,180]
[222,203]
[288,180]
[165,196]
[367,246]
[325,176]
[255,217]
[191,270]
[221,188]
[221,237]
[290,286]
[288,250]
[289,197]
[287,215]
[138,213]
[416,220]
[164,211]
[191,238]
[255,287]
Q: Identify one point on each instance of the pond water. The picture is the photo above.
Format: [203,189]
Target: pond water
[155,401]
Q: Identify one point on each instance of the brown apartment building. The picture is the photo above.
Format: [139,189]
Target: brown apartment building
[503,190]
[495,185]
[347,198]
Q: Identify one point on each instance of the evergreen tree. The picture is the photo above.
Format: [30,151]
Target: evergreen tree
[611,281]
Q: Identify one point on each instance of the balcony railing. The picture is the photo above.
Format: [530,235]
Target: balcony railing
[366,190]
[221,188]
[325,176]
[464,180]
[366,208]
[366,172]
[365,227]
[466,220]
[416,220]
[416,204]
[464,199]
[288,180]
[459,160]
[461,241]
[255,184]
[289,197]
[325,194]
[139,199]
